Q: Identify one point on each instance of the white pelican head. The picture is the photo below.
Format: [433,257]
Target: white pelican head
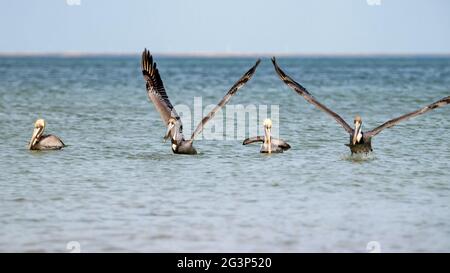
[39,127]
[170,126]
[267,134]
[357,134]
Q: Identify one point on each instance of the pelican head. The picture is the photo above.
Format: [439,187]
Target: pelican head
[267,123]
[267,138]
[170,125]
[39,127]
[357,134]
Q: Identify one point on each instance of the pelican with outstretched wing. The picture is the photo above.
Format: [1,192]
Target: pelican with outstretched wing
[157,94]
[360,142]
[270,144]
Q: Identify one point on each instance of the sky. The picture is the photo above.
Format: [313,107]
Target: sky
[228,26]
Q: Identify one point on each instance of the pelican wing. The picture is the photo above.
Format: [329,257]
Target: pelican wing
[51,142]
[241,82]
[305,94]
[395,121]
[281,143]
[155,88]
[253,140]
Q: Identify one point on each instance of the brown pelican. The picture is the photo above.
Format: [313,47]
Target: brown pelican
[43,142]
[360,142]
[270,144]
[158,95]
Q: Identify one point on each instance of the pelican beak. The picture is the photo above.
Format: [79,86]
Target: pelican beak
[34,137]
[167,135]
[356,132]
[269,140]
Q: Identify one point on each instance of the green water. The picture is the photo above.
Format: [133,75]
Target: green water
[118,187]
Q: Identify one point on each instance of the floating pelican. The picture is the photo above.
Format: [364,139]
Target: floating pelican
[270,144]
[158,95]
[360,142]
[43,142]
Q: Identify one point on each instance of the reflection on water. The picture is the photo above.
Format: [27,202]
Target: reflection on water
[117,187]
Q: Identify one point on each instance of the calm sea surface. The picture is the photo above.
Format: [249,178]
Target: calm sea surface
[117,187]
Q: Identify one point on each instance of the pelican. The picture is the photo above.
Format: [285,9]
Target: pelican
[360,142]
[43,142]
[157,94]
[270,144]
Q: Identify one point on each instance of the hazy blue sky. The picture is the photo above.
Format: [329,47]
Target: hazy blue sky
[283,26]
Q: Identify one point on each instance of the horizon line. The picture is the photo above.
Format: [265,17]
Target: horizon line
[217,54]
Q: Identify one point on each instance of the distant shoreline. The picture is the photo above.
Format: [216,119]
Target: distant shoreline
[216,54]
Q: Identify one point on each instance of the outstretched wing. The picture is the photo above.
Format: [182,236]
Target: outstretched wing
[275,141]
[305,94]
[395,121]
[155,89]
[253,140]
[241,82]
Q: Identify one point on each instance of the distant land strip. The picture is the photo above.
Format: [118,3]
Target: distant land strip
[222,54]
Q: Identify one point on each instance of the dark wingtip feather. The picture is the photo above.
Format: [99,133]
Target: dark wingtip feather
[278,69]
[274,60]
[286,147]
[147,64]
[247,76]
[440,103]
[252,70]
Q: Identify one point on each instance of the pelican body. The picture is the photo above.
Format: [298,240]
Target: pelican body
[157,94]
[270,144]
[179,144]
[39,141]
[360,142]
[365,147]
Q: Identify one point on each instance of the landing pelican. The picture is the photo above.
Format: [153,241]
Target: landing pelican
[158,95]
[270,144]
[39,141]
[360,142]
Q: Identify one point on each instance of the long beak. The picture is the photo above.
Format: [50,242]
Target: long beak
[34,138]
[356,132]
[269,140]
[167,135]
